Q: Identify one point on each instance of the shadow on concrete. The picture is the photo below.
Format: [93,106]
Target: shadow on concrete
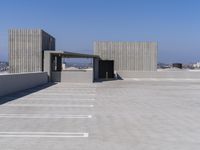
[118,77]
[20,94]
[103,80]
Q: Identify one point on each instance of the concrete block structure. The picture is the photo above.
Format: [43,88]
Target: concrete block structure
[128,56]
[26,48]
[33,50]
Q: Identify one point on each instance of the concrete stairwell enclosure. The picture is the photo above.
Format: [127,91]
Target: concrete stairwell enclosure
[128,56]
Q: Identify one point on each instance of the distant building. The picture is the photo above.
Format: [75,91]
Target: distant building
[3,66]
[197,65]
[127,57]
[26,48]
[163,66]
[177,65]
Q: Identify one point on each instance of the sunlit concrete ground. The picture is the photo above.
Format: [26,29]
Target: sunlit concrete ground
[116,115]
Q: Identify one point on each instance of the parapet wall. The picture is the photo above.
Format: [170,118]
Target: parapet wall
[161,74]
[11,83]
[73,76]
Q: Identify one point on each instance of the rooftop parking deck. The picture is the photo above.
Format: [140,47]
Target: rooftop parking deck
[137,114]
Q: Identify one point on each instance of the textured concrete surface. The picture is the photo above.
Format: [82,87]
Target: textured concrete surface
[25,49]
[128,56]
[119,115]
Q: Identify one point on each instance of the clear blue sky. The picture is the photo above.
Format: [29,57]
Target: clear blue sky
[174,24]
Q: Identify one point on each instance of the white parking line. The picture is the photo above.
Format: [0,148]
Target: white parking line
[44,105]
[64,94]
[53,99]
[136,79]
[43,134]
[43,116]
[62,89]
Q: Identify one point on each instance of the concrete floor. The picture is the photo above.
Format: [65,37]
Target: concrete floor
[114,115]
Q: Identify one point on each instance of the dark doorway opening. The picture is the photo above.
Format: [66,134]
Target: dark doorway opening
[106,69]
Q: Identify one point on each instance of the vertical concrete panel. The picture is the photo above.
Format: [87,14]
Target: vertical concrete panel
[25,49]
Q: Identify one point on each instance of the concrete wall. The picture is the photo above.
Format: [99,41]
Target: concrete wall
[26,49]
[129,56]
[96,69]
[11,83]
[48,41]
[73,76]
[160,74]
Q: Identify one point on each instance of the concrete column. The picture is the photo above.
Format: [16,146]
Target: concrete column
[47,64]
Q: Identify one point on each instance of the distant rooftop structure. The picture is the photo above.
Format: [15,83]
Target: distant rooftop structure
[197,65]
[128,56]
[33,50]
[26,48]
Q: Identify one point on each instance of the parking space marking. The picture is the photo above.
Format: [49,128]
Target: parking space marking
[48,99]
[51,99]
[42,134]
[64,94]
[44,105]
[43,116]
